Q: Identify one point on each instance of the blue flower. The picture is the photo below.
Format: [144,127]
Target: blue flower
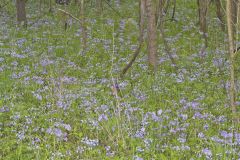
[225,134]
[207,152]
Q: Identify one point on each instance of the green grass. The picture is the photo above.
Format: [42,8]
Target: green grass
[43,99]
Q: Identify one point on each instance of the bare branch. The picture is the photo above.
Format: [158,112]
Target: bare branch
[69,14]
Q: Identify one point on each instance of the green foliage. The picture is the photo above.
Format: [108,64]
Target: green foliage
[42,100]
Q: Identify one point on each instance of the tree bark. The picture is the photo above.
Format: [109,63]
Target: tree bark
[161,26]
[231,43]
[219,13]
[202,9]
[152,35]
[21,12]
[167,5]
[83,25]
[174,10]
[99,6]
[50,6]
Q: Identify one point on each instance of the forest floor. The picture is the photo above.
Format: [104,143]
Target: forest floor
[56,101]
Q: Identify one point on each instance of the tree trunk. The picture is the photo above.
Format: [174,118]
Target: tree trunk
[174,10]
[202,9]
[152,35]
[40,5]
[142,12]
[83,25]
[167,5]
[161,26]
[99,6]
[234,15]
[50,6]
[231,43]
[219,13]
[21,12]
[238,16]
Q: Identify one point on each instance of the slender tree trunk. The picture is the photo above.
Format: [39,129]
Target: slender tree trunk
[157,13]
[202,8]
[198,12]
[41,5]
[152,35]
[99,6]
[231,43]
[166,45]
[50,6]
[238,16]
[83,25]
[142,13]
[21,12]
[167,5]
[174,9]
[234,15]
[219,13]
